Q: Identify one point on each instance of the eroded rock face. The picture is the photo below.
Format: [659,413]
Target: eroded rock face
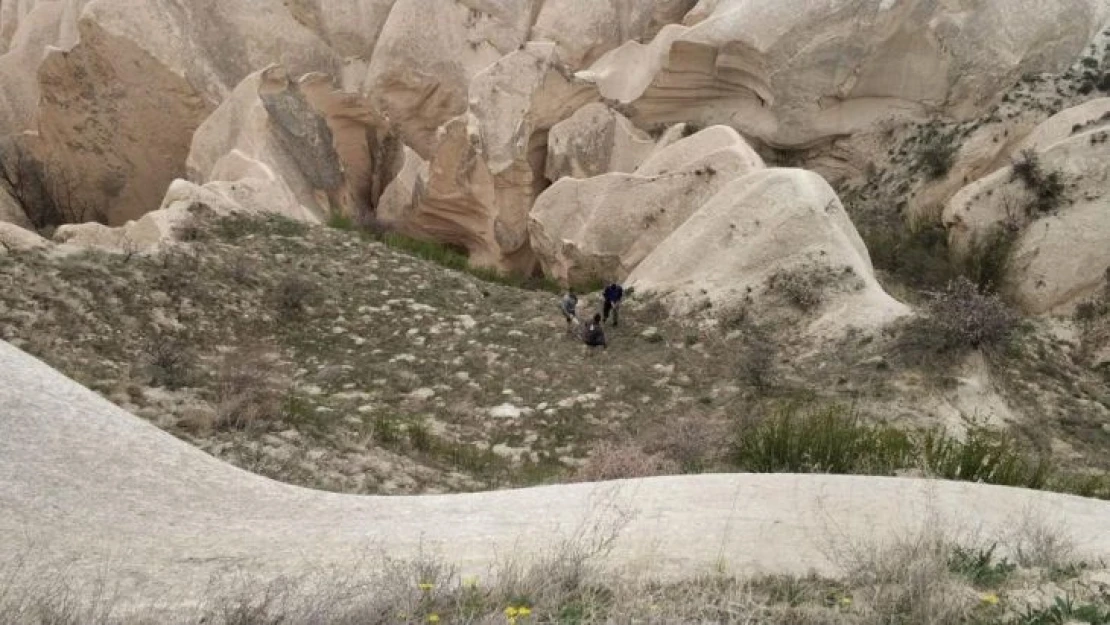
[119,108]
[602,227]
[27,29]
[488,165]
[799,72]
[428,53]
[585,31]
[324,147]
[757,229]
[1061,251]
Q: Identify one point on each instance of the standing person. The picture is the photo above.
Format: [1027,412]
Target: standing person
[594,336]
[613,295]
[569,307]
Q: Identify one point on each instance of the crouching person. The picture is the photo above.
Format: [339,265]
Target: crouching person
[594,335]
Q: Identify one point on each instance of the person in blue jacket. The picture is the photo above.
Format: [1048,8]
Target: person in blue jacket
[613,294]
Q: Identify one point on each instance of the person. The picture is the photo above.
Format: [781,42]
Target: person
[569,308]
[595,335]
[613,295]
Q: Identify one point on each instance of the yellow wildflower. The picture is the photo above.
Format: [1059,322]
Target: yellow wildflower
[524,611]
[845,602]
[426,586]
[470,582]
[433,618]
[989,599]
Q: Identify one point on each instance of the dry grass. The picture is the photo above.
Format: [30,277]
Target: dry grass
[909,580]
[614,461]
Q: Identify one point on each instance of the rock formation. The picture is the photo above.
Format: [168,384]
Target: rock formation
[800,72]
[600,228]
[1061,247]
[758,230]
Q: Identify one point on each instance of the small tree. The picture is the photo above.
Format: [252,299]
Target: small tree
[46,192]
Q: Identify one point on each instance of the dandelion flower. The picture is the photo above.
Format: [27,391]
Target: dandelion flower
[433,618]
[989,599]
[524,611]
[511,611]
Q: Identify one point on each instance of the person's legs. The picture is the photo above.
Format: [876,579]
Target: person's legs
[606,308]
[616,314]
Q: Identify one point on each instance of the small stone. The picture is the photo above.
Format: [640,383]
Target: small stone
[422,394]
[505,411]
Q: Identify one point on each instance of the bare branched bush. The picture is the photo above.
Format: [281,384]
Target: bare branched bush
[695,442]
[169,362]
[802,287]
[909,581]
[250,389]
[961,317]
[47,192]
[757,356]
[614,461]
[291,295]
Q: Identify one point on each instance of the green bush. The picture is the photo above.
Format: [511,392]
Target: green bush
[937,153]
[1048,188]
[983,456]
[979,566]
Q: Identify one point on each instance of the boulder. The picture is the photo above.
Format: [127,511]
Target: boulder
[801,72]
[1059,257]
[595,140]
[759,229]
[16,239]
[144,235]
[602,227]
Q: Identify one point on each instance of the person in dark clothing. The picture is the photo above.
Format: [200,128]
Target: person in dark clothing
[595,335]
[613,294]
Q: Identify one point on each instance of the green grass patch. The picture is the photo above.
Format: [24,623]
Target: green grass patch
[799,438]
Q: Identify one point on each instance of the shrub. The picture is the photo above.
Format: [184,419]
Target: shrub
[917,256]
[695,442]
[988,259]
[802,287]
[983,456]
[980,567]
[938,152]
[757,356]
[961,317]
[614,461]
[1048,188]
[818,439]
[250,388]
[169,362]
[292,295]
